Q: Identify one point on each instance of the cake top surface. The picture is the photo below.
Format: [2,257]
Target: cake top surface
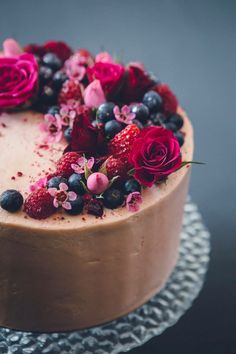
[85,140]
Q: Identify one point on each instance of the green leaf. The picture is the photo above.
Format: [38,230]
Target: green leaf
[87,171]
[131,172]
[103,168]
[113,180]
[85,187]
[184,163]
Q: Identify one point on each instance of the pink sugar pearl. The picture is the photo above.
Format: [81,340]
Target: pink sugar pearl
[97,183]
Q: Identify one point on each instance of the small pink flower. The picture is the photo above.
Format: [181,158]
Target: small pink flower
[68,113]
[104,57]
[133,201]
[52,125]
[74,66]
[81,163]
[41,183]
[11,48]
[124,115]
[94,95]
[62,197]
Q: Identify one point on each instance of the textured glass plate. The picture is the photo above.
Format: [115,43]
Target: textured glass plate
[150,320]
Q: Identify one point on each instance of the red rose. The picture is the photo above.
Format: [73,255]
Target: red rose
[110,76]
[61,49]
[169,100]
[136,85]
[18,79]
[155,154]
[85,138]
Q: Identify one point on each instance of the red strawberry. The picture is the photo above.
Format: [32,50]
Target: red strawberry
[121,144]
[169,100]
[64,168]
[71,90]
[116,166]
[39,204]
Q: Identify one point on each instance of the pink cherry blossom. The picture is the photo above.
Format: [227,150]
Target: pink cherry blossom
[52,126]
[104,57]
[11,48]
[62,197]
[133,201]
[124,115]
[81,163]
[41,183]
[94,95]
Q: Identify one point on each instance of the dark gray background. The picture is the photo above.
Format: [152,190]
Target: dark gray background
[192,46]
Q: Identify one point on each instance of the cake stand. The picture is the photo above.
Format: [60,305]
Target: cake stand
[150,320]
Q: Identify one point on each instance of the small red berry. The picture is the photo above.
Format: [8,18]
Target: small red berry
[116,166]
[39,204]
[121,144]
[71,90]
[63,167]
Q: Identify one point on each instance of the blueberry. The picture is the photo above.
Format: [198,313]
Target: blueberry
[95,207]
[138,123]
[170,126]
[48,96]
[45,75]
[77,206]
[113,198]
[105,112]
[55,181]
[131,185]
[58,79]
[53,110]
[112,127]
[11,200]
[52,61]
[75,185]
[153,101]
[67,134]
[177,120]
[141,112]
[158,118]
[179,136]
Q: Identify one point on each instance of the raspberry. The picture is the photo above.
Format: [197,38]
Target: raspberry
[64,168]
[169,100]
[71,90]
[39,204]
[95,207]
[121,144]
[117,167]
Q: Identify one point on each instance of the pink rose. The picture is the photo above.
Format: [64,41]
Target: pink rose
[18,79]
[94,95]
[104,57]
[155,154]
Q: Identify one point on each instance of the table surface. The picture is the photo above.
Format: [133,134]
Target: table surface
[192,46]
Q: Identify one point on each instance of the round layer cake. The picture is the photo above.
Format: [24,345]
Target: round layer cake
[66,272]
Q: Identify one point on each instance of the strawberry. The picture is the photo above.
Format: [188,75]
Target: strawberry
[121,144]
[71,90]
[116,166]
[63,166]
[39,204]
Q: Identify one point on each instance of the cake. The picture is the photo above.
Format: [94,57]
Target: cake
[94,170]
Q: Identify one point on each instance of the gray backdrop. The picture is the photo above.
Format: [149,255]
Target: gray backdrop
[192,46]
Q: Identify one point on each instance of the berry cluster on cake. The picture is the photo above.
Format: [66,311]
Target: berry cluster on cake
[120,124]
[94,166]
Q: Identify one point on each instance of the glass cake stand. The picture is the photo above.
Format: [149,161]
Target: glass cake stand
[150,320]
